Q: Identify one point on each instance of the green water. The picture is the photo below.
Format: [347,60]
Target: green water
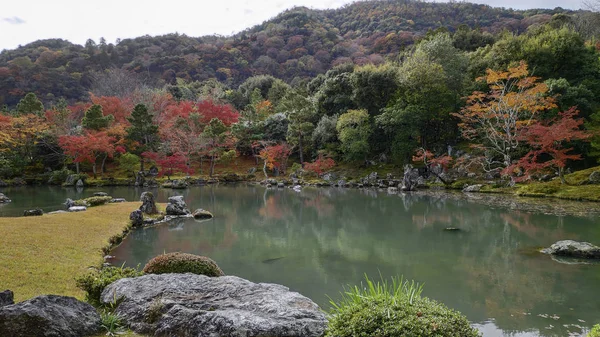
[318,240]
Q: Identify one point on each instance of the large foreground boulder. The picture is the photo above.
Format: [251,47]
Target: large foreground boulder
[227,306]
[50,316]
[570,248]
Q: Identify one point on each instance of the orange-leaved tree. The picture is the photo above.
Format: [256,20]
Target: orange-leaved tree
[436,165]
[495,120]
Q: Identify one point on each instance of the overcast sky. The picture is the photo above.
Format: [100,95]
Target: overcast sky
[25,21]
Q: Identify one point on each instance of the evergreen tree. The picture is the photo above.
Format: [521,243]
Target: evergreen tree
[30,104]
[94,119]
[142,130]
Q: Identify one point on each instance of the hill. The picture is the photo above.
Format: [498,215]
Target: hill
[296,45]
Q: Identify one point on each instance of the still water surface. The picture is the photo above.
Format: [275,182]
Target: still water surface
[319,240]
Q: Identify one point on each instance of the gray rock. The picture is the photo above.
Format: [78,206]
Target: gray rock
[297,188]
[101,194]
[77,209]
[137,218]
[7,298]
[392,190]
[58,212]
[79,183]
[410,180]
[50,316]
[329,176]
[177,206]
[472,188]
[153,171]
[33,212]
[4,199]
[71,179]
[280,185]
[139,179]
[179,184]
[227,306]
[575,249]
[69,203]
[3,183]
[595,177]
[116,200]
[202,214]
[148,203]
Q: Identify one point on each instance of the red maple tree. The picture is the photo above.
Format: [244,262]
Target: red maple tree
[321,165]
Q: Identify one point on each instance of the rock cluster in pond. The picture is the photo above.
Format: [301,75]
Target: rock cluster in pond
[177,206]
[148,203]
[49,316]
[575,249]
[198,305]
[33,212]
[4,199]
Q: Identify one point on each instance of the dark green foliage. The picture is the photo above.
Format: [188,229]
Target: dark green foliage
[59,177]
[142,129]
[94,282]
[94,119]
[183,263]
[30,104]
[393,309]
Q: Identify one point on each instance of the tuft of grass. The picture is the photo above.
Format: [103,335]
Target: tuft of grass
[112,323]
[595,331]
[42,255]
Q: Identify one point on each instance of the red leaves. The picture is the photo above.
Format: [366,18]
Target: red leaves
[320,165]
[169,164]
[88,147]
[276,156]
[430,160]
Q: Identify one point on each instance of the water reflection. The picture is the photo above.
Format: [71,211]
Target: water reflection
[318,240]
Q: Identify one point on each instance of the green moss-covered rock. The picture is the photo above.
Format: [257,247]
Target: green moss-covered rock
[93,201]
[595,331]
[183,263]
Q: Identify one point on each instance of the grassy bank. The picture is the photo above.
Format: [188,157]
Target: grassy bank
[575,188]
[43,255]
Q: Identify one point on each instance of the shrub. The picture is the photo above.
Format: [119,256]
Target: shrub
[595,331]
[93,201]
[393,309]
[93,283]
[58,177]
[183,263]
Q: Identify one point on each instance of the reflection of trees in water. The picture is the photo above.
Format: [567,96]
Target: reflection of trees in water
[331,237]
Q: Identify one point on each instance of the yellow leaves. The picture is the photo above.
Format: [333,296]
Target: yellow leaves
[20,131]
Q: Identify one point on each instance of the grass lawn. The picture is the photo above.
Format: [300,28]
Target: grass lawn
[43,255]
[573,190]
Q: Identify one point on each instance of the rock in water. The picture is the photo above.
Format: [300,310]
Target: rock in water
[7,298]
[69,203]
[202,214]
[100,194]
[79,183]
[177,206]
[227,306]
[572,248]
[50,316]
[4,199]
[137,218]
[33,212]
[77,209]
[148,203]
[472,188]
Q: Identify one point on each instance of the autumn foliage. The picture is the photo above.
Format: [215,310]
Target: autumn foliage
[320,165]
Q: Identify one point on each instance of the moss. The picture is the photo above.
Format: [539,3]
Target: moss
[183,263]
[93,201]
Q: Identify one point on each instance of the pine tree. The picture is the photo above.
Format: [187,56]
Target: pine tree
[94,119]
[30,104]
[142,130]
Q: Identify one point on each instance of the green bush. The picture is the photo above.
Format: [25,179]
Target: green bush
[595,331]
[58,177]
[393,309]
[183,263]
[93,201]
[93,283]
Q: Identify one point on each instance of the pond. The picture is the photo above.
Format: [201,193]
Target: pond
[319,240]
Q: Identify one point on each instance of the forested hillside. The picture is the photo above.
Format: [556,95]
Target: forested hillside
[294,46]
[486,92]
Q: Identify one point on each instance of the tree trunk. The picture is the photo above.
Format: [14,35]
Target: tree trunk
[142,164]
[301,155]
[94,169]
[561,175]
[77,167]
[265,170]
[212,165]
[103,163]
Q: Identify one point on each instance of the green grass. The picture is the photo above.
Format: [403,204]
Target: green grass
[595,331]
[573,190]
[43,255]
